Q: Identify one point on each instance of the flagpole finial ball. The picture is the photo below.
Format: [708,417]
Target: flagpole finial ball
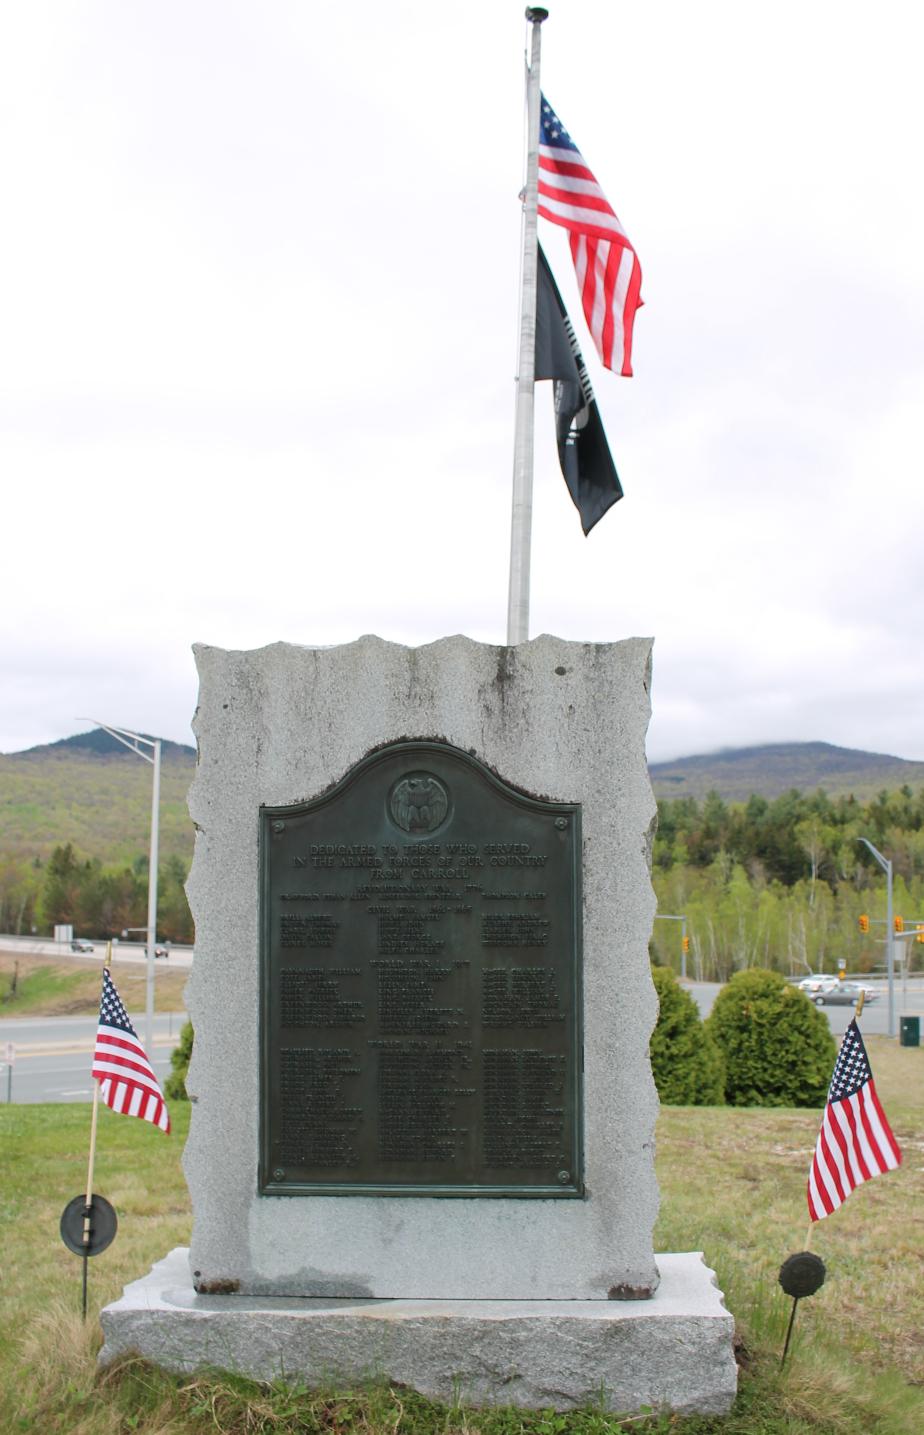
[802,1275]
[535,14]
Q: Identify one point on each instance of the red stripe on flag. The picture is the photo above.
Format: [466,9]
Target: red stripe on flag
[124,1043]
[576,200]
[564,166]
[634,301]
[609,287]
[822,1190]
[102,1065]
[830,1164]
[850,1116]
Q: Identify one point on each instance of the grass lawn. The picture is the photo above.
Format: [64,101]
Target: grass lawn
[732,1184]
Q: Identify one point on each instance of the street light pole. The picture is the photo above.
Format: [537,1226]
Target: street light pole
[682,919]
[886,866]
[132,741]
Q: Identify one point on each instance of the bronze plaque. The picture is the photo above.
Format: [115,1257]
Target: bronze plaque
[421,998]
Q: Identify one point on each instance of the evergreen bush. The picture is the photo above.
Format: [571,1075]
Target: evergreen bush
[685,1062]
[175,1085]
[777,1045]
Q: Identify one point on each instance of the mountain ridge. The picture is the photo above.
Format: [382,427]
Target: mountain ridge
[102,744]
[770,769]
[97,795]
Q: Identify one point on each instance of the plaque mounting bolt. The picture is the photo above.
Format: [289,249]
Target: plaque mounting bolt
[561,823]
[279,827]
[564,1177]
[279,1174]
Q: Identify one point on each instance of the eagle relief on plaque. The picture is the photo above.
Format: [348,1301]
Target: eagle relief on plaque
[421,1014]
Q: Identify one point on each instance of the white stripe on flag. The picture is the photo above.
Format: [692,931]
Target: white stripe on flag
[575,214]
[601,253]
[553,180]
[580,260]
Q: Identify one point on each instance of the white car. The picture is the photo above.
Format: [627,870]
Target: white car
[820,983]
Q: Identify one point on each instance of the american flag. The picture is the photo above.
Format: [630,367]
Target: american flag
[855,1142]
[127,1081]
[608,271]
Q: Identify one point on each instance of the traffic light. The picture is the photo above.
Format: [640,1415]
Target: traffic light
[685,943]
[898,923]
[919,934]
[863,922]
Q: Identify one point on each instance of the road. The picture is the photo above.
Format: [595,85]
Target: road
[875,1018]
[125,951]
[52,1055]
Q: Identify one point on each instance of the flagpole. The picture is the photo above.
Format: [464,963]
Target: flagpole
[522,512]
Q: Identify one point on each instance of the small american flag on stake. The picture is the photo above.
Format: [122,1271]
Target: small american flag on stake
[126,1078]
[855,1142]
[607,268]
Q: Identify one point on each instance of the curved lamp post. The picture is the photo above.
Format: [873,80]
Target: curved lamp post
[886,866]
[134,741]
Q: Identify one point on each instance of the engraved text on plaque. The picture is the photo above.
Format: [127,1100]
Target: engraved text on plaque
[421,1007]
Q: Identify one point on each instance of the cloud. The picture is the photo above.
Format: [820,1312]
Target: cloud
[259,300]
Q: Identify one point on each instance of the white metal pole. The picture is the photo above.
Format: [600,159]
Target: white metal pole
[152,906]
[522,513]
[890,947]
[133,741]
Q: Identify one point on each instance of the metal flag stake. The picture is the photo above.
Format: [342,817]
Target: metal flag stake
[800,1276]
[88,1222]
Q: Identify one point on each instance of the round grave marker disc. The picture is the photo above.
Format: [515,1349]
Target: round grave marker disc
[103,1225]
[802,1274]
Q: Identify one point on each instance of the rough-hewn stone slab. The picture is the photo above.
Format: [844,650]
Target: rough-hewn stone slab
[672,1352]
[559,720]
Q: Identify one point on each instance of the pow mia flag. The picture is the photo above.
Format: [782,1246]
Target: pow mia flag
[583,451]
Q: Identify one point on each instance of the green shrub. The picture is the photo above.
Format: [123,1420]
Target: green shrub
[175,1085]
[685,1062]
[777,1046]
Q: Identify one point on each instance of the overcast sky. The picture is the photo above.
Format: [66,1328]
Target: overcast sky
[259,304]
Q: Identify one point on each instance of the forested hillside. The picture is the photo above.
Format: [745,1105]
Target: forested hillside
[75,822]
[100,802]
[764,881]
[783,883]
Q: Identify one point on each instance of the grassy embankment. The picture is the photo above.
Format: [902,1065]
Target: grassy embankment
[61,986]
[732,1184]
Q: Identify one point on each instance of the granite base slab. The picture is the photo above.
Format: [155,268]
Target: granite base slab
[672,1352]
